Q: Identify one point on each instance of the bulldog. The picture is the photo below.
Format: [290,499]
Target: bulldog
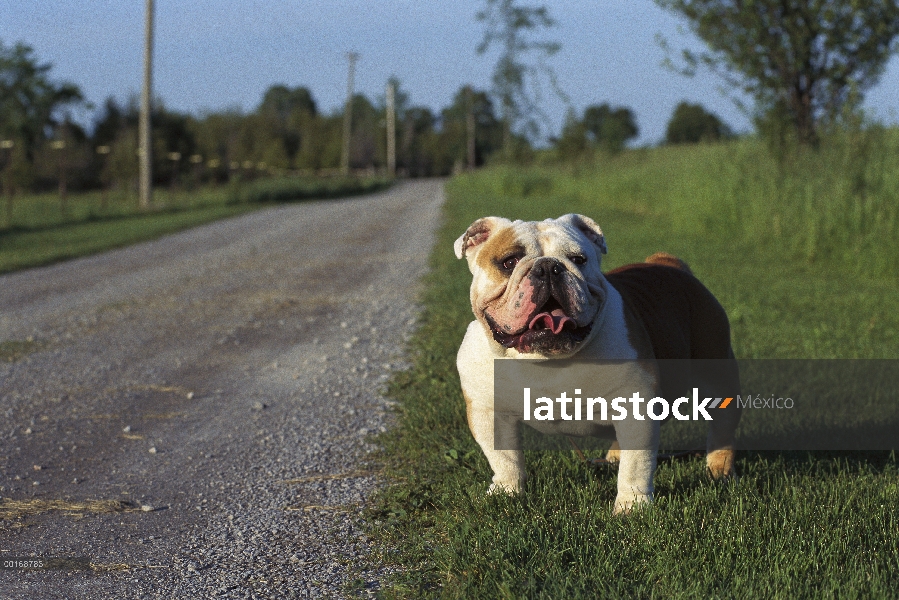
[538,292]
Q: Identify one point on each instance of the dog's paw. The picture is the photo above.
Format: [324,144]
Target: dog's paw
[613,455]
[626,504]
[721,464]
[503,488]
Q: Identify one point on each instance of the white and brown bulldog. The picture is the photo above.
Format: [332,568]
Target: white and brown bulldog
[538,292]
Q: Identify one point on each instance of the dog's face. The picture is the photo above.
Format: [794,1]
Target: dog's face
[537,287]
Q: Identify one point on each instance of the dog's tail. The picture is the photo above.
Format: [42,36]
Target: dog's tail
[668,260]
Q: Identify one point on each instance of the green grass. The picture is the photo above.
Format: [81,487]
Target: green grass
[39,231]
[797,524]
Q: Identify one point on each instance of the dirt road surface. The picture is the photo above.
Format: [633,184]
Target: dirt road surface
[213,393]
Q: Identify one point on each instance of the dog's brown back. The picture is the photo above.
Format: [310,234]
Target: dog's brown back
[681,316]
[669,260]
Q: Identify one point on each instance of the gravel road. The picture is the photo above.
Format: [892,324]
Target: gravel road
[218,389]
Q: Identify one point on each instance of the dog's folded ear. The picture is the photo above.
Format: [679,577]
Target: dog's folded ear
[588,227]
[478,233]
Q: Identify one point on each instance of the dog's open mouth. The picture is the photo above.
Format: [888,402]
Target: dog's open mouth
[549,330]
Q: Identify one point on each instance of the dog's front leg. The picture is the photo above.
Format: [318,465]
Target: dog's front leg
[639,448]
[508,463]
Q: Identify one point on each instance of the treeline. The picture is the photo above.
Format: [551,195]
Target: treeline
[285,134]
[42,147]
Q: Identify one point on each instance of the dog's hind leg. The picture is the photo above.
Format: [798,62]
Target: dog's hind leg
[720,444]
[722,430]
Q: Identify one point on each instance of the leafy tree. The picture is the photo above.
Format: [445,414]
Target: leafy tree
[454,125]
[111,120]
[573,142]
[287,113]
[601,127]
[417,130]
[691,123]
[171,136]
[17,175]
[365,132]
[120,169]
[30,102]
[801,60]
[610,128]
[281,102]
[325,144]
[217,135]
[109,127]
[516,83]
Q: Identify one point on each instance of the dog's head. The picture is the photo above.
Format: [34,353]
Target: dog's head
[537,285]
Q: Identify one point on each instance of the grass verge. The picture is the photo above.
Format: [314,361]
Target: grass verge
[38,231]
[797,525]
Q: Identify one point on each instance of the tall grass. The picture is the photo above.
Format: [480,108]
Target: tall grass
[840,201]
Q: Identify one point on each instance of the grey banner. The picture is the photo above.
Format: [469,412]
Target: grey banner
[780,404]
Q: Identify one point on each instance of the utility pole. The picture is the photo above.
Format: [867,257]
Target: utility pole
[469,126]
[348,113]
[145,150]
[391,130]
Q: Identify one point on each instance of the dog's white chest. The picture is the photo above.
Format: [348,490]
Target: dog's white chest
[612,340]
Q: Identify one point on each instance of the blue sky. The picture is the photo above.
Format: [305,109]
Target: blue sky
[216,54]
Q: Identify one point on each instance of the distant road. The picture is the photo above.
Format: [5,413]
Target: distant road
[196,376]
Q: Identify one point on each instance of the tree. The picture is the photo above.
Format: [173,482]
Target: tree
[17,174]
[30,102]
[417,129]
[111,121]
[287,113]
[454,126]
[691,123]
[801,60]
[172,136]
[281,102]
[601,127]
[217,136]
[573,142]
[516,83]
[610,128]
[364,134]
[120,168]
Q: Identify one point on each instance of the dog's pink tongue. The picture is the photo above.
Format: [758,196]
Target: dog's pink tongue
[555,321]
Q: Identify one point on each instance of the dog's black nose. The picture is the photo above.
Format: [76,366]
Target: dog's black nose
[547,267]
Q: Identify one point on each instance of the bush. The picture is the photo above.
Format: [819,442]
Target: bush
[691,123]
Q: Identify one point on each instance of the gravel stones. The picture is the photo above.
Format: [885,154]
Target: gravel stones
[251,355]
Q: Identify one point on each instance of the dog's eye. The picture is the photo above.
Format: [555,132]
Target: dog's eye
[578,259]
[510,262]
